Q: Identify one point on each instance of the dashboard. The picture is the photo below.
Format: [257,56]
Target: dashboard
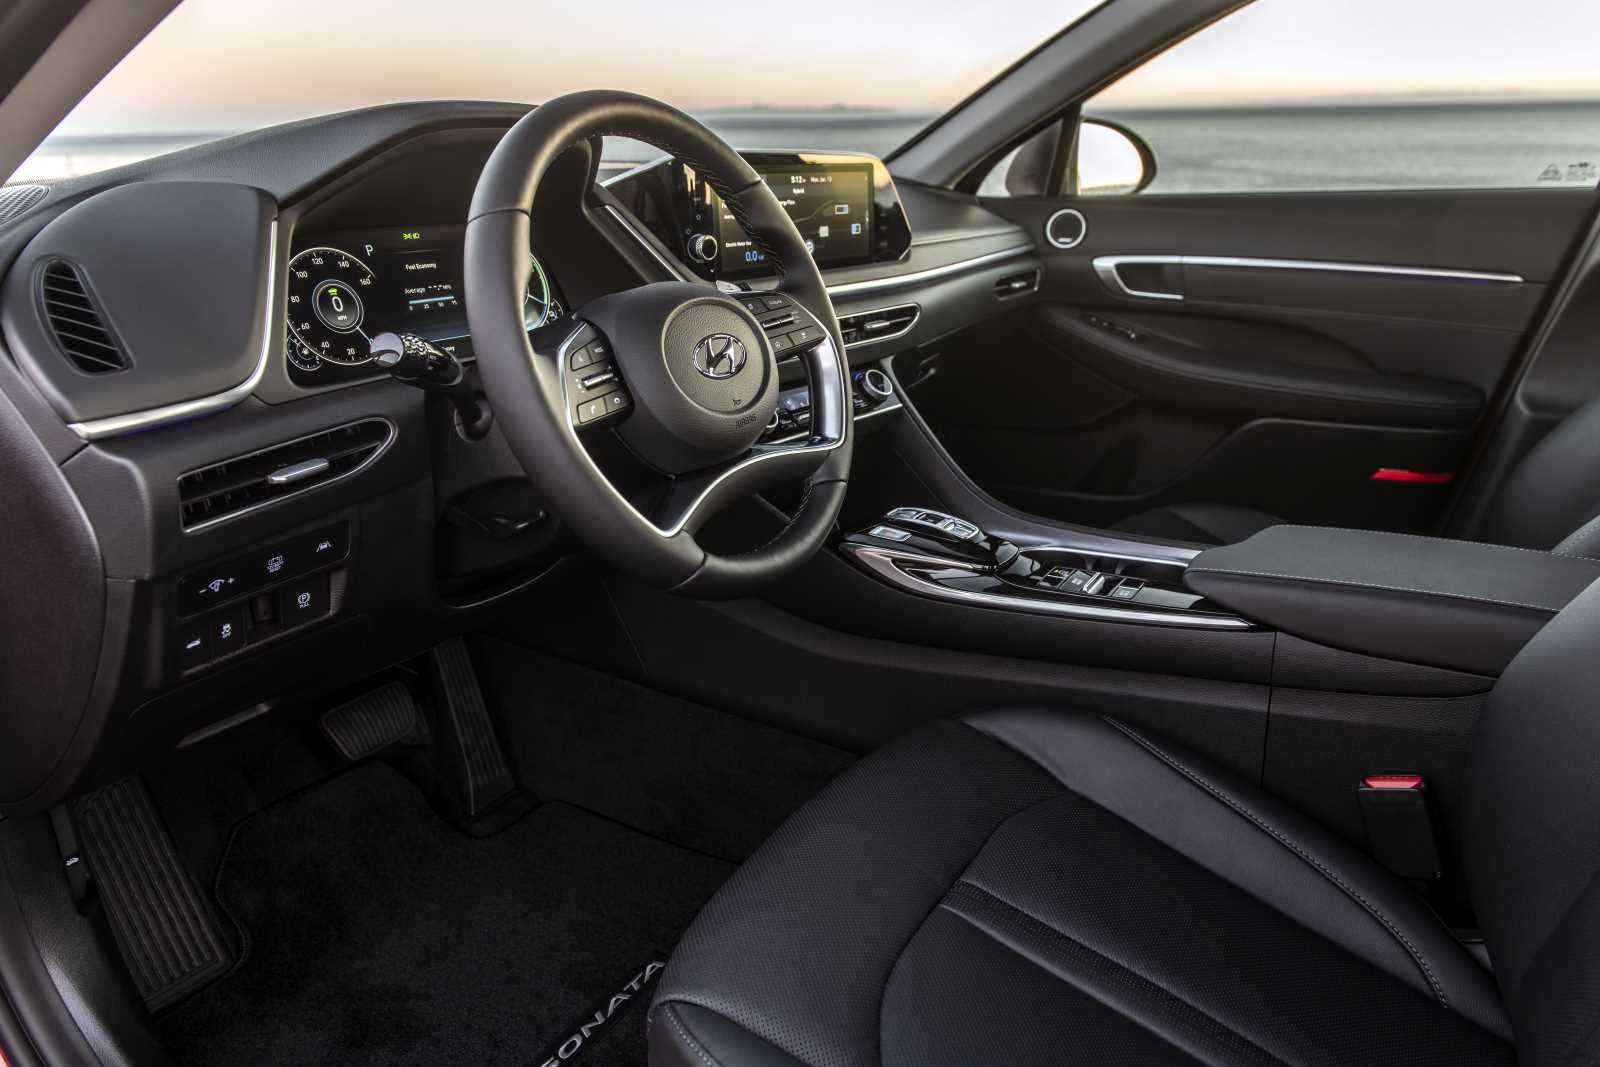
[347,286]
[238,503]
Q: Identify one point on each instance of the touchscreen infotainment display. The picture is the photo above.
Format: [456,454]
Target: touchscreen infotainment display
[831,205]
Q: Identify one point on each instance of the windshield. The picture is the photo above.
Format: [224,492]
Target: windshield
[859,77]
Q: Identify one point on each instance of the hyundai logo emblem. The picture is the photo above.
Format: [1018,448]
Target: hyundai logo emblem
[720,355]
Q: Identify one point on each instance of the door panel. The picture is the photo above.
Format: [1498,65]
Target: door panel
[1292,346]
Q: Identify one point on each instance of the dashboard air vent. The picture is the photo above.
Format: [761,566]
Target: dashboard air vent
[879,325]
[79,328]
[252,481]
[15,200]
[1016,284]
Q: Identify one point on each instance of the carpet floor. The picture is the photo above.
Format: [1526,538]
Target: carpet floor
[374,932]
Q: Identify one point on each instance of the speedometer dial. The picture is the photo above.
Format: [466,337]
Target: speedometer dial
[542,306]
[328,293]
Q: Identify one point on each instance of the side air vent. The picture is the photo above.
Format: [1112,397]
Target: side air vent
[880,325]
[1016,284]
[79,328]
[245,483]
[17,200]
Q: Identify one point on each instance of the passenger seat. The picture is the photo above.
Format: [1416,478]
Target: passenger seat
[1550,501]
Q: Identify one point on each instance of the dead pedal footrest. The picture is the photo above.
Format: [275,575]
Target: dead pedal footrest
[372,721]
[170,937]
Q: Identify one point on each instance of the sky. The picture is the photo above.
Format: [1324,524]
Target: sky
[218,65]
[230,64]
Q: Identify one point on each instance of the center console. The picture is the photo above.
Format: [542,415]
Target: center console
[936,554]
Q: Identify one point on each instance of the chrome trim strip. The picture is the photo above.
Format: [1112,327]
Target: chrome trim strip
[1106,268]
[394,432]
[116,425]
[823,358]
[671,268]
[891,565]
[893,280]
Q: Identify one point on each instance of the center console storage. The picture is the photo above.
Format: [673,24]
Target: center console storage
[1452,604]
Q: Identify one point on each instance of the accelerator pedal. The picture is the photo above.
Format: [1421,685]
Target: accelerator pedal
[170,936]
[373,721]
[466,734]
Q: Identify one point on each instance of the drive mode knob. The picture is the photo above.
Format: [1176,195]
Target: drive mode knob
[702,248]
[877,385]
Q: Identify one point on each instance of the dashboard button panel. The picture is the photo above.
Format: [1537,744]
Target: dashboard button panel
[249,572]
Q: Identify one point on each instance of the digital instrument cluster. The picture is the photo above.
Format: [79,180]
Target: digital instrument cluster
[347,287]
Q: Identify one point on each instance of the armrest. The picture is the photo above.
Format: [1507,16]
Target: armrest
[1454,604]
[1262,384]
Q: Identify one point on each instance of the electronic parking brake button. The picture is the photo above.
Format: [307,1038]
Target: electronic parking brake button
[300,602]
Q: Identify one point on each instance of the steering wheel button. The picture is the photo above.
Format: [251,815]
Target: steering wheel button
[616,401]
[590,410]
[775,302]
[580,359]
[808,335]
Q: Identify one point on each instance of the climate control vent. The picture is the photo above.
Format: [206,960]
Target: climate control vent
[79,328]
[1016,284]
[879,325]
[245,483]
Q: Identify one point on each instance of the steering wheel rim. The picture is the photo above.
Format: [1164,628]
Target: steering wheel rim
[527,380]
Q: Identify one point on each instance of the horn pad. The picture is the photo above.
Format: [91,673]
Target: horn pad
[703,377]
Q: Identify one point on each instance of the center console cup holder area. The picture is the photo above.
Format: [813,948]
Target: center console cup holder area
[934,553]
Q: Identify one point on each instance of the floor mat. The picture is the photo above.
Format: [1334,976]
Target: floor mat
[375,933]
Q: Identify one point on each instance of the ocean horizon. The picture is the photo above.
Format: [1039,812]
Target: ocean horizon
[1350,145]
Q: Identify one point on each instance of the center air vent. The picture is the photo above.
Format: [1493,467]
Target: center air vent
[245,483]
[880,325]
[79,328]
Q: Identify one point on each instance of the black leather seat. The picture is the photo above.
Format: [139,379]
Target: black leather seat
[1550,500]
[1037,886]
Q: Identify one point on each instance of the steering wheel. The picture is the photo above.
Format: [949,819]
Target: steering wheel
[694,379]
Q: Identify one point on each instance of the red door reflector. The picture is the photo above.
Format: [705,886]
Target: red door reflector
[1392,781]
[1395,474]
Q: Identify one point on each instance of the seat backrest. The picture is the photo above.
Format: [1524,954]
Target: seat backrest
[1552,491]
[1531,836]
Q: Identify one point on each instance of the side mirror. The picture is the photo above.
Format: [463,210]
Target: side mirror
[1112,160]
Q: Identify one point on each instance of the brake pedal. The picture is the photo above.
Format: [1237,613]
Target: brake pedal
[372,722]
[170,936]
[467,734]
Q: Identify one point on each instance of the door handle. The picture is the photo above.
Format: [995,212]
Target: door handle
[1154,277]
